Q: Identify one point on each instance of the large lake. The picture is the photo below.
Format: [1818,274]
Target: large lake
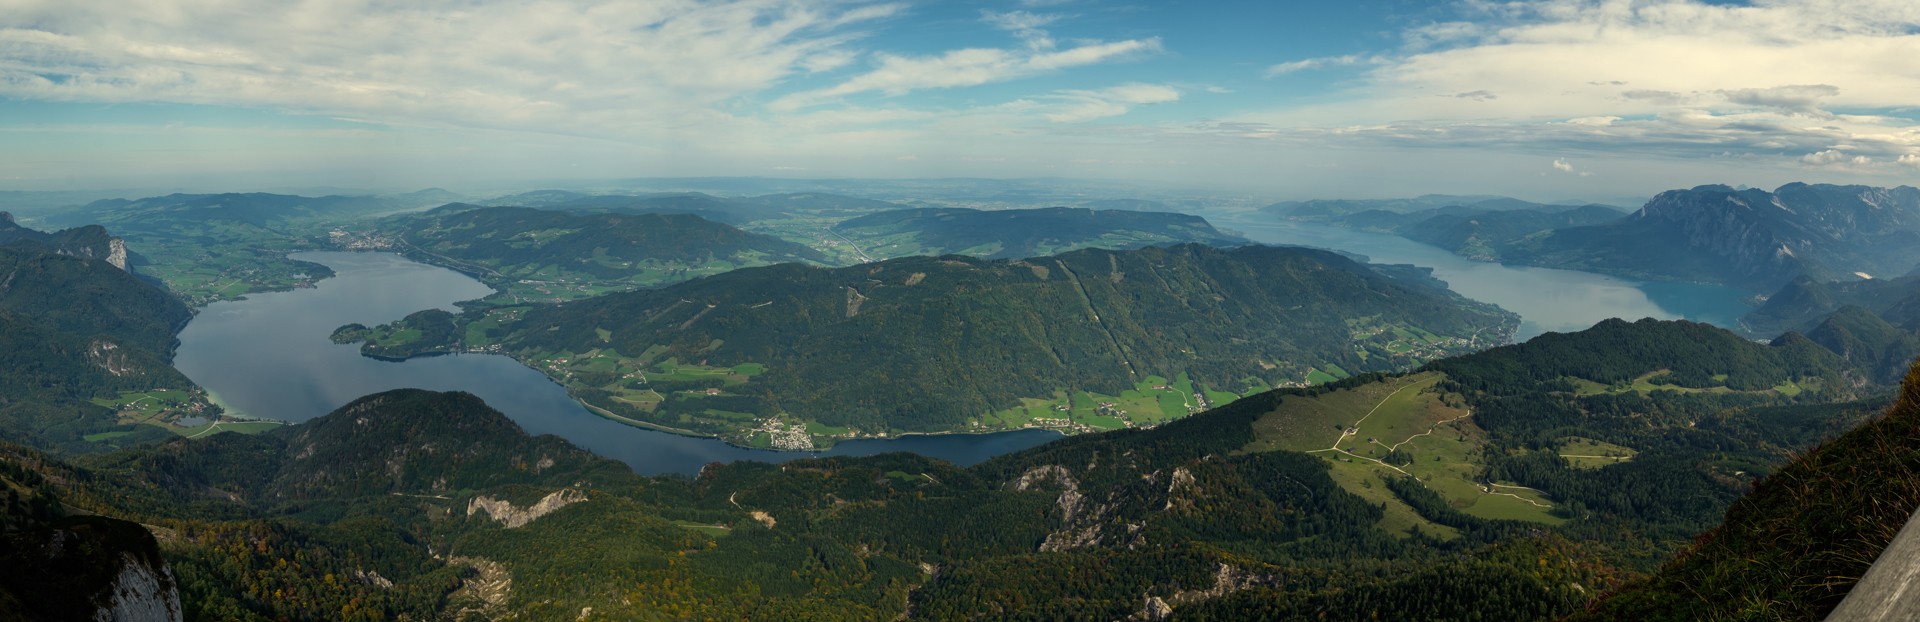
[1546,299]
[270,356]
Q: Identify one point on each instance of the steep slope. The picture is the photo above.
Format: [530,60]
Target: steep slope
[422,442]
[1746,238]
[1802,303]
[78,330]
[1020,233]
[1880,350]
[91,241]
[1794,547]
[543,254]
[926,344]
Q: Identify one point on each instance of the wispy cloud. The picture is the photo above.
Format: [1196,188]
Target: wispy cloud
[1322,63]
[896,75]
[1790,80]
[602,67]
[1082,105]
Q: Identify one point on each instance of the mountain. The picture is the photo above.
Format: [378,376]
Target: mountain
[1795,546]
[1881,350]
[1092,339]
[1480,234]
[729,210]
[188,214]
[1020,233]
[211,247]
[57,566]
[79,332]
[1746,238]
[1803,302]
[538,253]
[90,241]
[1484,489]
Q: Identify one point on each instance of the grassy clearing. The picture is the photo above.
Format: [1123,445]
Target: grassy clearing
[1365,479]
[1153,401]
[716,531]
[1645,384]
[1357,429]
[1586,453]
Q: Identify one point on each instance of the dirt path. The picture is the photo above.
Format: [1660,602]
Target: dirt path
[1354,430]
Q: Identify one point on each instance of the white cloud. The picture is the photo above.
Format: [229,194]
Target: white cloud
[1774,79]
[608,68]
[1562,165]
[899,75]
[1910,159]
[1082,106]
[1321,63]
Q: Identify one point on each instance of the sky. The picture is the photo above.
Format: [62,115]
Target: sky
[1547,99]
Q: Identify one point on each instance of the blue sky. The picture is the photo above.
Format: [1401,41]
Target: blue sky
[1547,99]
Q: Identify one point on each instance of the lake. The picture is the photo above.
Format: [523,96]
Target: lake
[1546,299]
[270,356]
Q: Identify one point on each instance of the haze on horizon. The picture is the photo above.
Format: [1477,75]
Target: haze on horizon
[1548,99]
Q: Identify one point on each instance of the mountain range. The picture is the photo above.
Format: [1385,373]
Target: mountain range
[1021,233]
[1568,481]
[520,249]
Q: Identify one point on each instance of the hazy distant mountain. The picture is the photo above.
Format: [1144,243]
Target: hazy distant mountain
[1326,209]
[730,210]
[189,212]
[506,245]
[1481,234]
[1135,205]
[1747,238]
[1017,233]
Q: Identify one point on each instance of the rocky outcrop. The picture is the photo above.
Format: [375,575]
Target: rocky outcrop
[86,568]
[142,593]
[504,512]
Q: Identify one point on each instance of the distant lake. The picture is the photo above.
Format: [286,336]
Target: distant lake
[1546,299]
[270,356]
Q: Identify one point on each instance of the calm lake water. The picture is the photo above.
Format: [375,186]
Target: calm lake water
[1546,299]
[269,356]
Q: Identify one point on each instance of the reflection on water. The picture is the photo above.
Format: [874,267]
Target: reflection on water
[1546,299]
[269,356]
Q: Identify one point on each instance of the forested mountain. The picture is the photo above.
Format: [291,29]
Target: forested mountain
[954,343]
[56,565]
[78,329]
[542,254]
[90,241]
[1804,302]
[423,505]
[730,210]
[1747,238]
[1481,234]
[1474,231]
[1021,233]
[1794,547]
